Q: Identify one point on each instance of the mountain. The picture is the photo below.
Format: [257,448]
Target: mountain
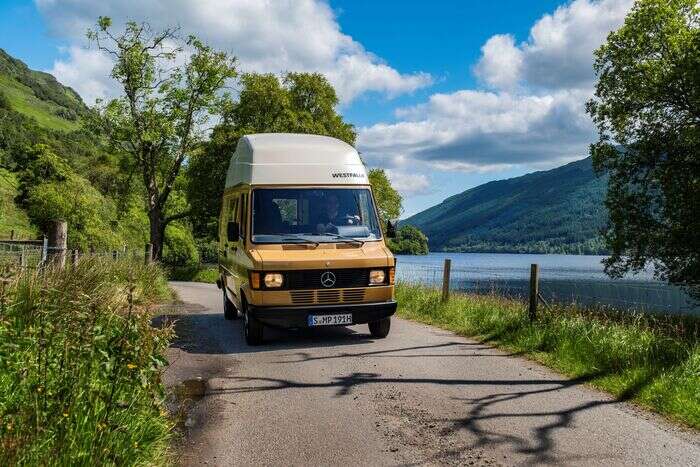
[553,211]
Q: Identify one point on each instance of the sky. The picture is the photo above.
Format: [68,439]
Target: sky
[444,95]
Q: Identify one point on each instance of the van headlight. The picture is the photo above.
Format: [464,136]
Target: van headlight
[376,277]
[273,280]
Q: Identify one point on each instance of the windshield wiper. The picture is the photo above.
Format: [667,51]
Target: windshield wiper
[300,240]
[343,238]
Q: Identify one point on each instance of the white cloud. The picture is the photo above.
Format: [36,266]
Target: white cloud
[558,53]
[267,36]
[501,62]
[534,116]
[409,184]
[483,131]
[87,72]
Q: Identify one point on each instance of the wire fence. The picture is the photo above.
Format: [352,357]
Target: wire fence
[35,254]
[555,285]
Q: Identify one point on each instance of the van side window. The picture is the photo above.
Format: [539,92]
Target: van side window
[244,215]
[233,209]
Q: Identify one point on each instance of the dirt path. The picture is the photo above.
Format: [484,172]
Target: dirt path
[421,396]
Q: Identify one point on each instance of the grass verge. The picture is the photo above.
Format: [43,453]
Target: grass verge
[80,366]
[195,273]
[653,361]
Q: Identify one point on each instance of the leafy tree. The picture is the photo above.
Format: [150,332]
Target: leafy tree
[409,241]
[647,110]
[297,103]
[388,199]
[50,189]
[165,105]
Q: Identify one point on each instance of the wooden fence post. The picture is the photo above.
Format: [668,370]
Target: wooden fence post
[115,254]
[58,242]
[12,234]
[534,290]
[44,249]
[148,253]
[75,256]
[446,280]
[22,258]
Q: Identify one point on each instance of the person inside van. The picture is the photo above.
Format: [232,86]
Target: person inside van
[330,217]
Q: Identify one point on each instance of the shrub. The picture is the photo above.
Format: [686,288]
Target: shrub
[208,251]
[4,102]
[409,241]
[180,248]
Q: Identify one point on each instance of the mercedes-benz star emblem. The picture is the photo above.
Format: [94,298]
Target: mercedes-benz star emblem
[328,279]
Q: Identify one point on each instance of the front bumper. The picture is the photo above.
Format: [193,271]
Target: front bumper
[297,316]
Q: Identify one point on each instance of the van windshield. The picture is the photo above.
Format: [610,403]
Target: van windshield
[313,215]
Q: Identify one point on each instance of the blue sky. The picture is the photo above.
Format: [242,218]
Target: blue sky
[445,95]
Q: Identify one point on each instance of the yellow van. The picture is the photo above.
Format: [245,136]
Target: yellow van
[300,244]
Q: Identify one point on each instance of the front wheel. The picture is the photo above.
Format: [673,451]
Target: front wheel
[380,329]
[252,328]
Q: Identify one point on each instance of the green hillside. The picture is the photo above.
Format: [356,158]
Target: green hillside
[554,211]
[11,216]
[50,167]
[39,95]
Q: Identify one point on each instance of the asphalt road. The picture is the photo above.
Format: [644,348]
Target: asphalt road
[421,396]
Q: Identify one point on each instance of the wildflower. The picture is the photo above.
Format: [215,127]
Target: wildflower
[65,414]
[136,444]
[130,366]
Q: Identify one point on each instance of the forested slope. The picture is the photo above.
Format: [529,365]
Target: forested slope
[554,211]
[50,167]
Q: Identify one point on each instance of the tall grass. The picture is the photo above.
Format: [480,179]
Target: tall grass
[80,366]
[651,360]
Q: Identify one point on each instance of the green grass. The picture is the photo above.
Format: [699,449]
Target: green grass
[652,361]
[24,101]
[11,216]
[195,273]
[80,366]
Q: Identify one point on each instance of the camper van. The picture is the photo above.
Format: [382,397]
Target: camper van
[300,244]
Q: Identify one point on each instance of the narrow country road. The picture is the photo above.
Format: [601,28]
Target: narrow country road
[421,396]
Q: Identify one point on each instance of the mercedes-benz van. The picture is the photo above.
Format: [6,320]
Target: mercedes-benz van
[300,244]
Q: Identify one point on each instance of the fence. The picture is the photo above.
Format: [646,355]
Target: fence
[550,285]
[53,249]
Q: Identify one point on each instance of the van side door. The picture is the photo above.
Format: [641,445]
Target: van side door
[237,247]
[227,254]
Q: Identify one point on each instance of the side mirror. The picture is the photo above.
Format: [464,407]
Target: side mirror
[391,229]
[232,231]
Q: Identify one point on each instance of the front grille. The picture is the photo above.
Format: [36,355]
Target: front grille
[327,297]
[353,295]
[303,297]
[311,279]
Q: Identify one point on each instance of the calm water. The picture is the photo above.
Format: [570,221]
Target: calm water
[516,265]
[563,278]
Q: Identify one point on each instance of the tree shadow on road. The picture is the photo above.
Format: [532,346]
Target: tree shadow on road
[504,420]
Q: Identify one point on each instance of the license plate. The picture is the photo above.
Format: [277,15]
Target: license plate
[329,320]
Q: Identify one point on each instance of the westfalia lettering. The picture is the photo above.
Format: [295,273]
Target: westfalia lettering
[347,175]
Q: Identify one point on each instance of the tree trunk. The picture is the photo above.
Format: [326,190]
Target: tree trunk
[155,216]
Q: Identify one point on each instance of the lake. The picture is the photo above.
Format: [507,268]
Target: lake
[563,278]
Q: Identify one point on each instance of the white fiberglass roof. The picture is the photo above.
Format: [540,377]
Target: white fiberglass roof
[295,159]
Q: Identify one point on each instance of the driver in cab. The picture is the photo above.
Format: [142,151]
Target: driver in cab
[330,216]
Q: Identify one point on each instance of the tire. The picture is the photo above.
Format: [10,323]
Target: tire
[380,329]
[252,328]
[230,311]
